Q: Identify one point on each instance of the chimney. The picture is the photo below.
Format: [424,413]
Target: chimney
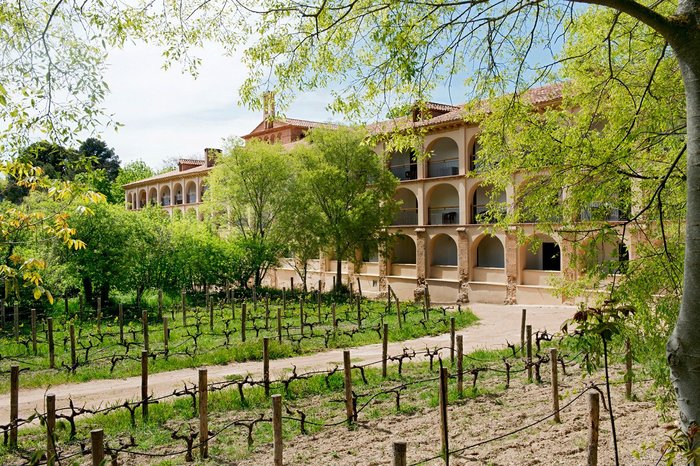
[269,109]
[210,156]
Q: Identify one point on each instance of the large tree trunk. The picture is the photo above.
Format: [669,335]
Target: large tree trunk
[338,271]
[683,349]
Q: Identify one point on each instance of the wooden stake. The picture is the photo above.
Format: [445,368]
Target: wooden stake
[73,359]
[555,384]
[443,415]
[14,404]
[385,349]
[359,287]
[452,340]
[347,371]
[388,299]
[318,301]
[628,369]
[203,414]
[593,425]
[144,385]
[97,446]
[144,324]
[279,325]
[460,365]
[359,311]
[50,428]
[284,299]
[166,334]
[277,428]
[52,351]
[528,331]
[266,365]
[243,323]
[523,319]
[121,323]
[291,285]
[301,315]
[400,454]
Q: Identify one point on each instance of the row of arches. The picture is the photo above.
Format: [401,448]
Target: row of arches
[444,206]
[444,160]
[192,193]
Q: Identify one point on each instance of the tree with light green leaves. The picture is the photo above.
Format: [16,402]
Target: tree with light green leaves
[351,188]
[248,190]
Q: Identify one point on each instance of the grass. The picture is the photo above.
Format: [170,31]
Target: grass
[214,346]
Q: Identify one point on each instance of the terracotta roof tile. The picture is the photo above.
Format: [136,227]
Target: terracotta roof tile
[168,175]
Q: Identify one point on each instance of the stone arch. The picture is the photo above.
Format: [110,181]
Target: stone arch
[480,198]
[444,158]
[443,205]
[443,250]
[143,199]
[403,164]
[408,211]
[178,195]
[473,153]
[153,196]
[545,256]
[165,198]
[130,201]
[191,192]
[404,251]
[488,252]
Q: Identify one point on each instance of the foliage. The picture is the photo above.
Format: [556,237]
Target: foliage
[351,187]
[132,171]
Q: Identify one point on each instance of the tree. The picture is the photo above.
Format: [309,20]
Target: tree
[351,188]
[132,171]
[104,158]
[249,188]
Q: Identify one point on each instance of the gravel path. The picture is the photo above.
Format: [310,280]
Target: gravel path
[497,324]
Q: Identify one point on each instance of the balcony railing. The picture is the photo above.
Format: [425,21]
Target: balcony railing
[406,171]
[439,168]
[406,217]
[444,215]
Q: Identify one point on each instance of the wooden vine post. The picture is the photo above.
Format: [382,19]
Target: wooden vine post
[528,331]
[14,404]
[277,428]
[243,319]
[443,415]
[279,325]
[318,299]
[301,315]
[523,319]
[593,425]
[121,323]
[203,414]
[166,334]
[460,365]
[50,429]
[388,299]
[359,311]
[400,454]
[144,324]
[555,384]
[52,349]
[266,365]
[71,332]
[347,372]
[144,385]
[452,340]
[97,446]
[385,349]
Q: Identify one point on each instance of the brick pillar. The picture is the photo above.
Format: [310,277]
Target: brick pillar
[512,266]
[463,265]
[421,263]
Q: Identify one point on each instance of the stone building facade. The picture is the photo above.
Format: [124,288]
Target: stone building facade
[440,241]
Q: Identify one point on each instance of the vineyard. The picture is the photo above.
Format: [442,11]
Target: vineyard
[241,417]
[109,342]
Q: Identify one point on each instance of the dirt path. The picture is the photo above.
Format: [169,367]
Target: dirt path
[497,324]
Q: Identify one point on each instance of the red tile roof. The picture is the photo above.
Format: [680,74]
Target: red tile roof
[168,175]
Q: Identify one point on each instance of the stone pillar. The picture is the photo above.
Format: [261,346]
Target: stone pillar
[421,263]
[463,265]
[512,266]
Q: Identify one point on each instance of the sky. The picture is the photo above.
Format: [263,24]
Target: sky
[167,114]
